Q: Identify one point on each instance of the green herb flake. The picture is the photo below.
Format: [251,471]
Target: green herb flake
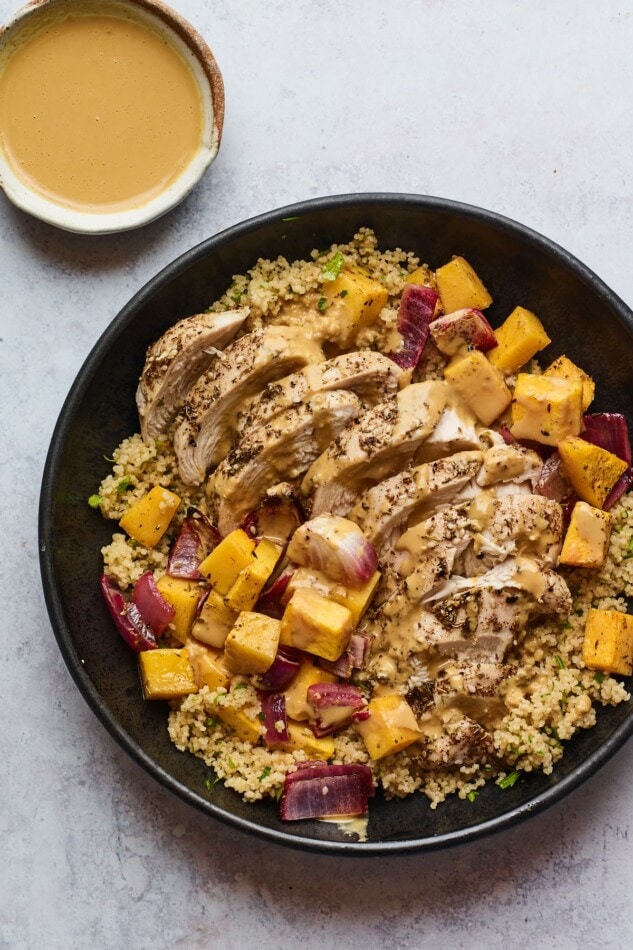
[293,217]
[211,723]
[579,612]
[565,626]
[207,784]
[322,305]
[508,780]
[265,773]
[629,550]
[559,662]
[108,459]
[240,686]
[262,717]
[598,677]
[472,795]
[231,763]
[343,293]
[333,267]
[94,501]
[123,485]
[278,793]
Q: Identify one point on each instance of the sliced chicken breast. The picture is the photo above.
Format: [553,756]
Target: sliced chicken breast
[282,449]
[372,376]
[175,361]
[379,444]
[386,507]
[204,436]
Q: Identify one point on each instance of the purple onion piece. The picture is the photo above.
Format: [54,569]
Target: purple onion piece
[326,791]
[154,609]
[274,712]
[507,435]
[196,539]
[354,658]
[127,617]
[621,487]
[269,601]
[415,314]
[609,431]
[276,518]
[462,328]
[337,547]
[284,668]
[552,481]
[334,704]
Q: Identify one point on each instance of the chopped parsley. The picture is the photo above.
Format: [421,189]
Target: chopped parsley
[94,501]
[231,763]
[598,677]
[508,780]
[333,267]
[322,304]
[265,773]
[343,293]
[472,795]
[211,722]
[293,217]
[629,550]
[559,662]
[240,686]
[207,784]
[262,716]
[124,484]
[107,459]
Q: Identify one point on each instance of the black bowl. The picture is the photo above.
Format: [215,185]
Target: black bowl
[586,321]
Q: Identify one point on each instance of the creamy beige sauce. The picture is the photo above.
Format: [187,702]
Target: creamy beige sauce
[98,112]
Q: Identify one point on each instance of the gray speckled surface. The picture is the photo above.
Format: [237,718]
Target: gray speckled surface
[522,108]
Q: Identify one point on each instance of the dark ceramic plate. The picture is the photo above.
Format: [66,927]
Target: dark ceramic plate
[584,318]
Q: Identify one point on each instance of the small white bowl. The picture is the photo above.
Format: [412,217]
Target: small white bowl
[188,42]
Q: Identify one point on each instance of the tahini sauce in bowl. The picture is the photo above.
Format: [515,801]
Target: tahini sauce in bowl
[110,111]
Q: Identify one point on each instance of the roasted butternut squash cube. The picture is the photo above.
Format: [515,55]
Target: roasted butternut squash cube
[207,665]
[147,520]
[296,693]
[518,339]
[356,599]
[563,368]
[301,738]
[251,579]
[608,643]
[243,722]
[252,643]
[225,562]
[391,726]
[592,470]
[480,384]
[183,596]
[421,275]
[362,298]
[459,287]
[166,674]
[313,623]
[214,621]
[587,540]
[545,408]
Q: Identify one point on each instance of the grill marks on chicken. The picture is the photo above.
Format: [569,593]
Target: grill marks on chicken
[176,361]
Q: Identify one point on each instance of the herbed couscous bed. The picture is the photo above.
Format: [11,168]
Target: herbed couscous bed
[537,684]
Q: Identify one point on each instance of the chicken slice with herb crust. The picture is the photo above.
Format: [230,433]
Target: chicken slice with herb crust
[204,436]
[282,449]
[175,361]
[372,376]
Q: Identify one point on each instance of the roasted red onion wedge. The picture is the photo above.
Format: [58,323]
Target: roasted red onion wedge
[334,704]
[326,791]
[335,546]
[416,312]
[354,658]
[275,719]
[269,601]
[462,328]
[552,481]
[196,539]
[127,617]
[155,610]
[610,431]
[285,665]
[277,517]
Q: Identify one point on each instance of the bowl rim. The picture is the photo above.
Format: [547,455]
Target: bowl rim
[186,39]
[588,767]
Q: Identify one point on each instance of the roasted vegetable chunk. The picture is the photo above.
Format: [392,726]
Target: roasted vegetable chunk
[546,409]
[460,287]
[391,726]
[608,643]
[147,520]
[313,623]
[591,470]
[166,674]
[251,645]
[587,539]
[518,339]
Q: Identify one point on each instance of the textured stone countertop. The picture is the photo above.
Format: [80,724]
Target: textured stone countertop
[521,108]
